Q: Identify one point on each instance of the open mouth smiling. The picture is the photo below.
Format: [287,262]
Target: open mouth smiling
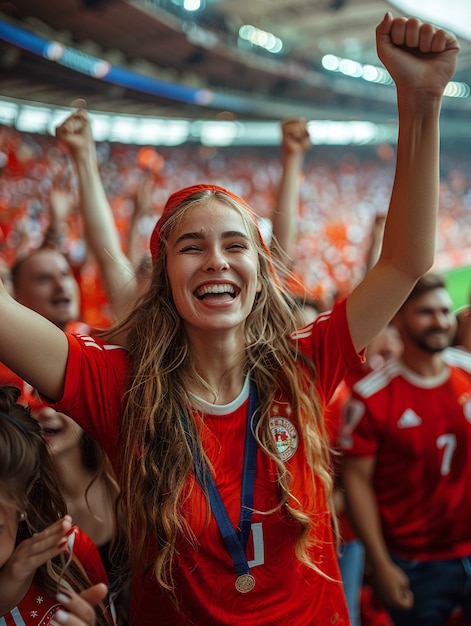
[224,290]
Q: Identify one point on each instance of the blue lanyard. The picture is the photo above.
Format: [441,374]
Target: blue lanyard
[236,542]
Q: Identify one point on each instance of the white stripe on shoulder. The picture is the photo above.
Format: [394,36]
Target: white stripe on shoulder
[376,380]
[302,333]
[458,357]
[91,343]
[306,331]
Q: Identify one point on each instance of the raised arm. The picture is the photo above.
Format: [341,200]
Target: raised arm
[376,240]
[142,208]
[421,59]
[62,201]
[100,227]
[295,143]
[32,346]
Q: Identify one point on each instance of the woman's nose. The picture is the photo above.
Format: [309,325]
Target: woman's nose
[216,262]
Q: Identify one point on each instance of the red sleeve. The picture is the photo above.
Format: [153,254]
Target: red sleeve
[94,387]
[328,342]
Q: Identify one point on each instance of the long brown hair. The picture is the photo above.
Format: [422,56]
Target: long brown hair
[157,460]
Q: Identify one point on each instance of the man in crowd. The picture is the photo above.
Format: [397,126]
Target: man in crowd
[407,445]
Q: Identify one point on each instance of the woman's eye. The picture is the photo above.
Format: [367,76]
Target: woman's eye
[190,249]
[237,246]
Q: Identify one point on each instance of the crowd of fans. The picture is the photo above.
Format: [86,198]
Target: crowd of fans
[209,401]
[342,193]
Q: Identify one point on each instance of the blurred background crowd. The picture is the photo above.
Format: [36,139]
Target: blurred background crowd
[342,193]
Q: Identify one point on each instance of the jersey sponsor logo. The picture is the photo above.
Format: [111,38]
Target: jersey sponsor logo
[409,419]
[285,436]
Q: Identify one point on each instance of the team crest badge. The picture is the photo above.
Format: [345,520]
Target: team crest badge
[285,436]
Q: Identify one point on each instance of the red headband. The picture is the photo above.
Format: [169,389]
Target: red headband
[179,196]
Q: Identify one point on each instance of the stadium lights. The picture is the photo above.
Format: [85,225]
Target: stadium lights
[192,5]
[152,131]
[31,118]
[371,73]
[261,38]
[188,5]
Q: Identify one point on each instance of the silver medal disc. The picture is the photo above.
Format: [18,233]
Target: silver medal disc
[245,583]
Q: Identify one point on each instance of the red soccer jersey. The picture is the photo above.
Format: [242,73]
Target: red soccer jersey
[37,607]
[419,430]
[285,591]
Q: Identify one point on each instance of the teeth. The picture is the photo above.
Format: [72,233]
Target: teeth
[202,291]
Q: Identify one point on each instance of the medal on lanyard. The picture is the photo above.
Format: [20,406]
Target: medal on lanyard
[236,542]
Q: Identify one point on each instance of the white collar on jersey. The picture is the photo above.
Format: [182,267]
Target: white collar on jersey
[223,409]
